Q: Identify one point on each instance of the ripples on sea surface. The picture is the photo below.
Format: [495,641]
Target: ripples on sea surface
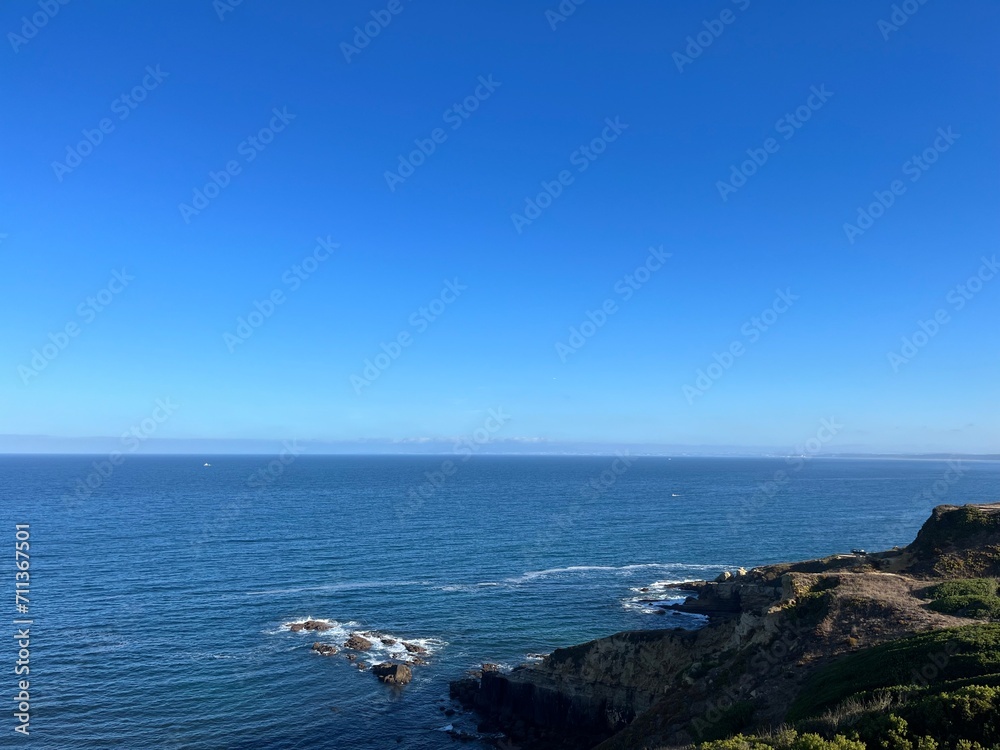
[160,601]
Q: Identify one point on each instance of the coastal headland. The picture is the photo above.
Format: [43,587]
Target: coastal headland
[793,655]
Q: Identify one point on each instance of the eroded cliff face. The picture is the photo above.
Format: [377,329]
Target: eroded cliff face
[769,629]
[589,692]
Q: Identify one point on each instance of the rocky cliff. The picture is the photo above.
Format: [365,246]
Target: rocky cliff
[769,629]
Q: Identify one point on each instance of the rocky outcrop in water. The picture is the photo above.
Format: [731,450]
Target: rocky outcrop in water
[393,674]
[317,625]
[357,642]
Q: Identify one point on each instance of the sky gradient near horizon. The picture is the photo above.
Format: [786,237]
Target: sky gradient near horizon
[444,203]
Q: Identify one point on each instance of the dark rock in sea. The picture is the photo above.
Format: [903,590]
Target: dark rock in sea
[392,674]
[414,648]
[388,641]
[361,666]
[317,625]
[416,661]
[465,691]
[324,649]
[351,657]
[478,673]
[357,642]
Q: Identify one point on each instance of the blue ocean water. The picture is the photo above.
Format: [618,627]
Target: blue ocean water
[161,598]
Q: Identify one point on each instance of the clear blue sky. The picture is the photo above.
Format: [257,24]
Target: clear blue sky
[884,94]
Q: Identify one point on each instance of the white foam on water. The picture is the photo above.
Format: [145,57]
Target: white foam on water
[107,645]
[397,650]
[464,587]
[502,666]
[336,629]
[645,608]
[655,608]
[656,586]
[339,632]
[345,586]
[620,569]
[467,587]
[532,575]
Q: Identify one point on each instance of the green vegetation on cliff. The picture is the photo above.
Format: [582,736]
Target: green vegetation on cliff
[787,739]
[967,718]
[958,542]
[934,658]
[969,597]
[934,691]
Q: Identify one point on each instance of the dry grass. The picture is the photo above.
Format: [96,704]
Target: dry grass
[848,713]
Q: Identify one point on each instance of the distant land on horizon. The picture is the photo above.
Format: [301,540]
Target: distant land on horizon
[52,445]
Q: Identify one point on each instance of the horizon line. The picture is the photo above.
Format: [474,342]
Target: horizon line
[921,456]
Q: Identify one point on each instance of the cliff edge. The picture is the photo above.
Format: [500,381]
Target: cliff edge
[770,630]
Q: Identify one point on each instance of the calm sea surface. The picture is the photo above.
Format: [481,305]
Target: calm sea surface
[161,599]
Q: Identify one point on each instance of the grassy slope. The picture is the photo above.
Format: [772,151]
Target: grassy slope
[936,657]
